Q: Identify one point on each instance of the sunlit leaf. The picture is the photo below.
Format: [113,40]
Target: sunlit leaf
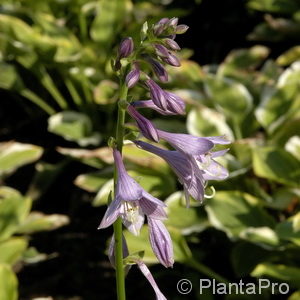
[8,283]
[234,212]
[11,250]
[74,126]
[276,164]
[14,155]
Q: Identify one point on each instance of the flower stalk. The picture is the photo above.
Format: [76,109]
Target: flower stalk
[120,273]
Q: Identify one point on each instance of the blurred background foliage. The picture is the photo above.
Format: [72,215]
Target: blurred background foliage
[240,76]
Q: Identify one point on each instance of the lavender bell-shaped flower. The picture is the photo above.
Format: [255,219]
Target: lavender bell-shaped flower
[133,76]
[164,100]
[161,242]
[178,108]
[192,181]
[144,269]
[146,127]
[131,202]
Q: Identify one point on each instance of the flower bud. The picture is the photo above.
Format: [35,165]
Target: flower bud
[180,29]
[159,70]
[161,50]
[161,242]
[157,94]
[126,47]
[160,26]
[171,44]
[146,127]
[172,60]
[133,76]
[173,22]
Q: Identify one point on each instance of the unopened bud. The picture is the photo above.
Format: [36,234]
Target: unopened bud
[180,29]
[171,44]
[172,60]
[126,47]
[133,76]
[161,50]
[159,70]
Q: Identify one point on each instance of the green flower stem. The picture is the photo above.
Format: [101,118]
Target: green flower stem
[206,271]
[120,276]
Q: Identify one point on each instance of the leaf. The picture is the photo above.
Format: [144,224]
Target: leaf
[263,236]
[106,92]
[274,6]
[102,195]
[92,182]
[204,121]
[289,230]
[14,155]
[74,126]
[278,271]
[14,209]
[230,97]
[8,283]
[37,221]
[95,158]
[11,250]
[289,56]
[186,220]
[279,104]
[141,243]
[276,164]
[234,212]
[108,20]
[239,61]
[293,146]
[9,78]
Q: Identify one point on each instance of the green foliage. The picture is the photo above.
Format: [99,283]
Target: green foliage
[250,97]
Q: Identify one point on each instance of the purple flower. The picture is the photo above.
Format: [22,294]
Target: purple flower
[125,48]
[158,69]
[161,50]
[133,76]
[173,22]
[212,169]
[172,60]
[146,127]
[189,174]
[179,110]
[111,251]
[131,202]
[186,143]
[161,242]
[166,101]
[160,26]
[144,269]
[180,29]
[171,44]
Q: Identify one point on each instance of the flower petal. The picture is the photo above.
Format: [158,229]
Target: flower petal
[111,213]
[152,209]
[144,269]
[132,216]
[188,144]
